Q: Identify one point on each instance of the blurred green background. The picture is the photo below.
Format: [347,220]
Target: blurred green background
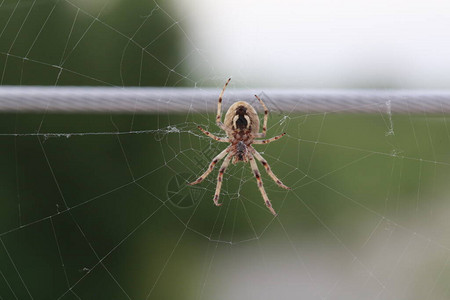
[89,209]
[115,209]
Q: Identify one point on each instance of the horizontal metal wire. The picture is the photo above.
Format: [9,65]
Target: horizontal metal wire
[177,100]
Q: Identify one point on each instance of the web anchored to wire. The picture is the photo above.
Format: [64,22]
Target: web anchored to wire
[99,204]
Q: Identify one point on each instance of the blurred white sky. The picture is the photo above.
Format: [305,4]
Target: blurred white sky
[321,43]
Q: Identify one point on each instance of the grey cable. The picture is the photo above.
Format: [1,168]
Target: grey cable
[182,100]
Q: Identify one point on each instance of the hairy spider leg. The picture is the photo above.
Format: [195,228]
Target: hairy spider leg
[211,165]
[260,183]
[219,139]
[260,142]
[266,115]
[224,166]
[259,157]
[219,107]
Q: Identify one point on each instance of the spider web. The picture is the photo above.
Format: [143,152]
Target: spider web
[97,206]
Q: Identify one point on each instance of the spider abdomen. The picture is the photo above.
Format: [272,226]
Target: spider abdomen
[241,117]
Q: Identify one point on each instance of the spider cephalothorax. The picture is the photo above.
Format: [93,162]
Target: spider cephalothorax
[241,125]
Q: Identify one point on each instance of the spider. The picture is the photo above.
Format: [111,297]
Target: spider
[241,125]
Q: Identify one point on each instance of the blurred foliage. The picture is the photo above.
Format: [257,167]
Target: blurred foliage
[92,209]
[126,193]
[120,43]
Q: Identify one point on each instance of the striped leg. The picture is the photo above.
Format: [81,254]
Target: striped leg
[211,166]
[225,140]
[260,184]
[268,170]
[224,166]
[219,107]
[266,115]
[259,142]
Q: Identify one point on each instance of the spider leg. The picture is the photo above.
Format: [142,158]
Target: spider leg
[211,166]
[267,167]
[266,114]
[225,140]
[224,166]
[259,142]
[219,107]
[260,184]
